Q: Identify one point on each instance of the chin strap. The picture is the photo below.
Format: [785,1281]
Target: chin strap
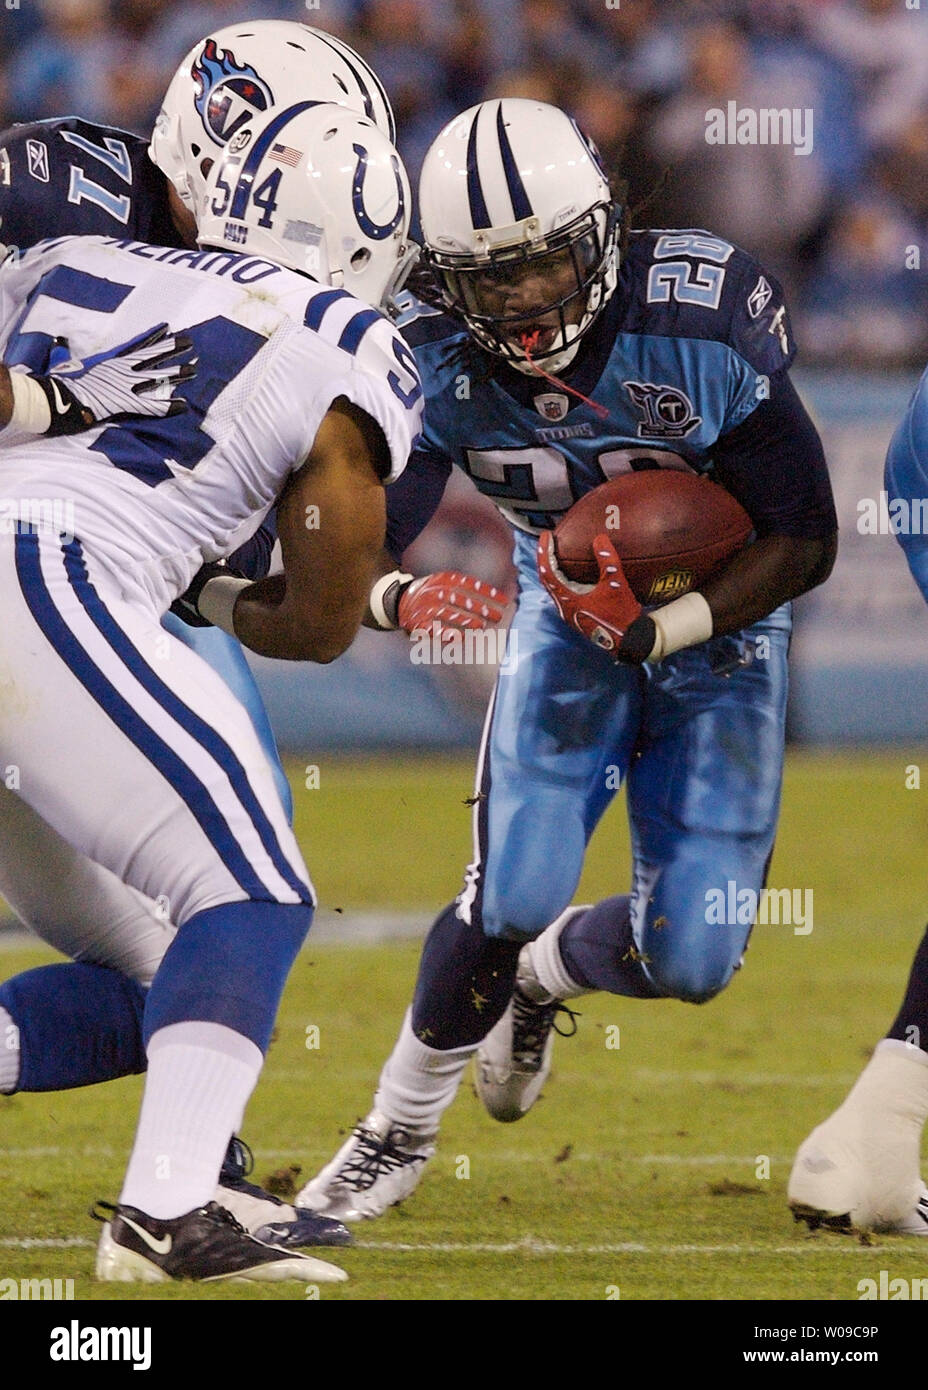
[528,342]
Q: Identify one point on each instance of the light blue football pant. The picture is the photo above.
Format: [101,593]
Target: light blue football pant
[697,738]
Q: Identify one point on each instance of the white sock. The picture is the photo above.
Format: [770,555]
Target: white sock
[894,1082]
[200,1076]
[9,1053]
[418,1083]
[543,956]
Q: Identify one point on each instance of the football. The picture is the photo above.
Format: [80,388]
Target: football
[673,530]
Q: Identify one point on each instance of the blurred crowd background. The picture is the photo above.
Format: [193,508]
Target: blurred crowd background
[639,75]
[845,229]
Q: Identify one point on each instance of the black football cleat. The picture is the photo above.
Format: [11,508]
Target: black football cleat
[266,1217]
[207,1244]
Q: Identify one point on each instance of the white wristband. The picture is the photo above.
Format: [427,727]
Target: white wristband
[684,623]
[379,593]
[217,600]
[31,412]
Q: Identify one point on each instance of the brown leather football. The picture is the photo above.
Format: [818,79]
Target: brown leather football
[672,529]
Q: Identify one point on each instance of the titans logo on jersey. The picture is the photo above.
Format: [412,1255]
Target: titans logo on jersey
[72,178]
[678,365]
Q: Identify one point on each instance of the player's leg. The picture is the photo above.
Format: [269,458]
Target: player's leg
[561,714]
[860,1168]
[80,1024]
[225,655]
[184,807]
[703,794]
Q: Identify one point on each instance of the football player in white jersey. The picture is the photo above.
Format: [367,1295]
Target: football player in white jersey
[103,181]
[68,177]
[304,392]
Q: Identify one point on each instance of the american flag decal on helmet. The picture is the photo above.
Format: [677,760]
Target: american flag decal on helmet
[285,154]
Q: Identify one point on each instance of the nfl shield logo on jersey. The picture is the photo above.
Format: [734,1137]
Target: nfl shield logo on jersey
[552,405]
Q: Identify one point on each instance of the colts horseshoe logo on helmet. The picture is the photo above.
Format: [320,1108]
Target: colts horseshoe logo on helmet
[377,231]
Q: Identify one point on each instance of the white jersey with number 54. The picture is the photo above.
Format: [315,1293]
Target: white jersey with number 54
[154,499]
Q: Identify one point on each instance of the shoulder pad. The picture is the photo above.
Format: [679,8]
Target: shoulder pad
[690,283]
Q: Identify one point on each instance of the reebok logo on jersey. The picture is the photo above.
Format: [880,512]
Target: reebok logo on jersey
[6,177]
[37,155]
[160,1247]
[759,298]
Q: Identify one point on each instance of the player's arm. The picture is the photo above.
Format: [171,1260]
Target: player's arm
[454,600]
[137,378]
[313,610]
[774,464]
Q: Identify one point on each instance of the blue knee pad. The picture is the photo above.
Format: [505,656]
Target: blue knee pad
[229,965]
[224,654]
[78,1025]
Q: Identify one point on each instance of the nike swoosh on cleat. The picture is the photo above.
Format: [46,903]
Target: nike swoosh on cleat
[160,1247]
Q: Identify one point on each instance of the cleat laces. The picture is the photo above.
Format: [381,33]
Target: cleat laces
[374,1156]
[531,1024]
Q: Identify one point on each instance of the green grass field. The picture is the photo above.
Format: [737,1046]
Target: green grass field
[642,1170]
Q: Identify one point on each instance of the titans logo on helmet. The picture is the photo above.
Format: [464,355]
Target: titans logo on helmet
[228,93]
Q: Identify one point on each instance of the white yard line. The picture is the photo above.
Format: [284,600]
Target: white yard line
[496,1156]
[528,1245]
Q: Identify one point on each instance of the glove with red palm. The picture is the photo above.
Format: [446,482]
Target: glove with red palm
[606,612]
[453,600]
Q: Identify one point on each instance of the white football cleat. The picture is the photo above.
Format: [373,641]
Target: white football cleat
[859,1170]
[378,1167]
[514,1059]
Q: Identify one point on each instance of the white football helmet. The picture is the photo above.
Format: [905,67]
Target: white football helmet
[320,189]
[238,72]
[520,228]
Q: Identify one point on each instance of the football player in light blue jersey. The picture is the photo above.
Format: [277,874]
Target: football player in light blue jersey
[860,1169]
[563,350]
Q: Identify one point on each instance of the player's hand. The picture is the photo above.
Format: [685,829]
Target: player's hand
[455,601]
[606,612]
[138,378]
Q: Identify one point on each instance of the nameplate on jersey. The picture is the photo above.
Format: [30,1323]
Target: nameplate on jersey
[559,434]
[668,412]
[6,177]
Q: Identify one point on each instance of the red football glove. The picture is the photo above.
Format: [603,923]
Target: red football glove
[607,612]
[455,601]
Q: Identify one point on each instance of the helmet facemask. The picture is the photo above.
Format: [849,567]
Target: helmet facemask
[487,287]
